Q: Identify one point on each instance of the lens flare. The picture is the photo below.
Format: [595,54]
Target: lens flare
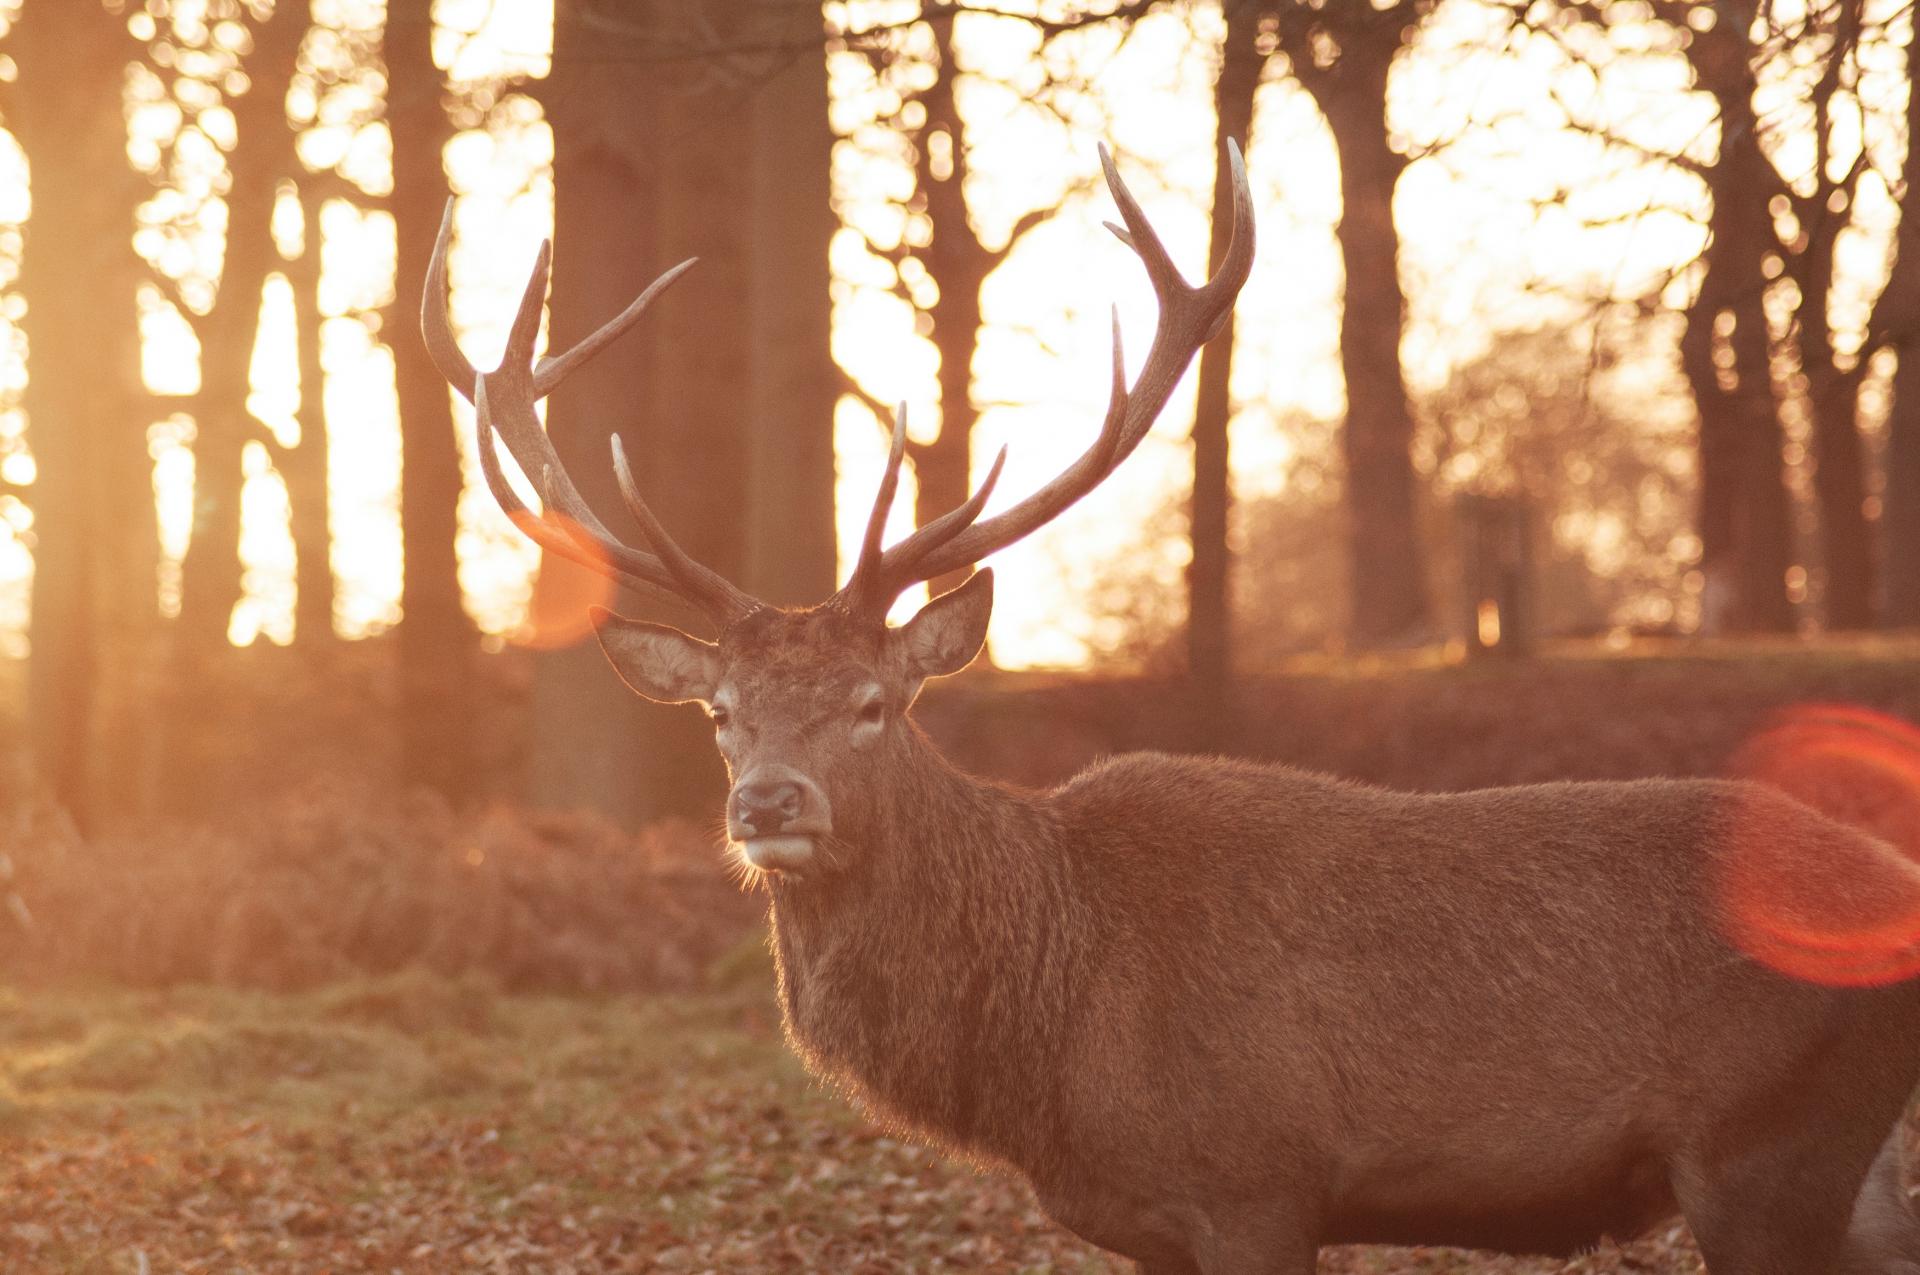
[557,615]
[1836,911]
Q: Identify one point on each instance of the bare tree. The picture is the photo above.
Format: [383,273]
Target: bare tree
[1209,597]
[941,263]
[1896,326]
[1557,421]
[94,606]
[1745,531]
[1899,314]
[628,200]
[1773,240]
[305,467]
[1820,214]
[437,640]
[790,549]
[262,155]
[1342,54]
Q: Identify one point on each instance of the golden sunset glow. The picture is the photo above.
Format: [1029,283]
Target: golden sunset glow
[1492,242]
[1426,777]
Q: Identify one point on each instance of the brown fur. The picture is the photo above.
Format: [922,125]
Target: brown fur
[1220,1013]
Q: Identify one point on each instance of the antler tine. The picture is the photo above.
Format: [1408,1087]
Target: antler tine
[436,328]
[876,592]
[1139,233]
[518,425]
[715,593]
[867,571]
[503,403]
[1236,263]
[605,556]
[1189,316]
[553,370]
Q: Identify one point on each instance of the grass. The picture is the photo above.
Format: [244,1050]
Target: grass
[422,1124]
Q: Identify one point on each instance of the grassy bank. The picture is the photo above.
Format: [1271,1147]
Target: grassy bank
[419,1124]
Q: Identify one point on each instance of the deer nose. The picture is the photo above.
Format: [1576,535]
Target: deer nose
[765,806]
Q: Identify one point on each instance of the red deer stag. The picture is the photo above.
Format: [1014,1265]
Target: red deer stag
[1221,1013]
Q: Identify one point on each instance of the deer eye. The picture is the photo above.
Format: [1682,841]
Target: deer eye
[720,717]
[871,713]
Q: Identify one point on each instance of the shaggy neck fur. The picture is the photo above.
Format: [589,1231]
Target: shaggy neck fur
[932,974]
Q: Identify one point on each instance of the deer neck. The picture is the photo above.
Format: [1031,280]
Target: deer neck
[934,974]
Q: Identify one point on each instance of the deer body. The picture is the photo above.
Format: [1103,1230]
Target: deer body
[1500,1019]
[1219,1013]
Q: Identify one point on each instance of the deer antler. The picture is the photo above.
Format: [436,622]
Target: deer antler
[503,401]
[1189,317]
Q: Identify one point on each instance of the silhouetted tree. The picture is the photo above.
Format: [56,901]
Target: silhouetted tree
[1209,597]
[1898,320]
[1342,55]
[1745,529]
[94,602]
[305,466]
[791,391]
[1900,524]
[1742,371]
[437,640]
[1833,374]
[958,265]
[1896,325]
[631,199]
[262,155]
[940,262]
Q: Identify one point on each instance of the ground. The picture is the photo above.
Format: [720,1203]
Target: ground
[420,1124]
[594,1080]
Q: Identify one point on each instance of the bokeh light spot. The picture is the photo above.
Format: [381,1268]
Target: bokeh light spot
[1840,911]
[557,616]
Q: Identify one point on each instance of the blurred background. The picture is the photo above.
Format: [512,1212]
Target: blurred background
[1566,428]
[1562,429]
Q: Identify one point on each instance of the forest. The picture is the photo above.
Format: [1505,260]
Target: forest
[357,917]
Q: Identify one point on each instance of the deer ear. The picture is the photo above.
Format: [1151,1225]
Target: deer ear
[663,664]
[950,630]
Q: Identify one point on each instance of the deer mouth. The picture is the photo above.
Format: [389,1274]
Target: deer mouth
[783,852]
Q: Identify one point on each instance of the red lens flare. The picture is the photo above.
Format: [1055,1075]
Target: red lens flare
[557,614]
[1837,911]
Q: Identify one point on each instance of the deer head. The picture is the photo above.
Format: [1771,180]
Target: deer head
[808,704]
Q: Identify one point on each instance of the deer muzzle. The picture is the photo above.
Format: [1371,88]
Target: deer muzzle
[775,813]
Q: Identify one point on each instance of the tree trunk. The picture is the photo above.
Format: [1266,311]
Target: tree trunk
[1900,498]
[1900,517]
[1763,521]
[1839,477]
[1389,580]
[1209,605]
[210,583]
[792,390]
[958,265]
[723,397]
[305,468]
[1717,462]
[437,639]
[1839,481]
[96,547]
[1745,521]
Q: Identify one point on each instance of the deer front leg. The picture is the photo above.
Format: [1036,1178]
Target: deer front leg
[1264,1246]
[1258,1254]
